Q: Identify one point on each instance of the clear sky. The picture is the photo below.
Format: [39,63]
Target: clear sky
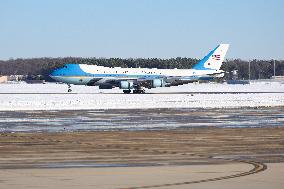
[141,28]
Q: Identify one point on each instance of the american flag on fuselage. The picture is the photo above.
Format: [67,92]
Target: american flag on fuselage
[216,56]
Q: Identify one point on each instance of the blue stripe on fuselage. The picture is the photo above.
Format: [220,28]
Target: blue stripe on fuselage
[196,78]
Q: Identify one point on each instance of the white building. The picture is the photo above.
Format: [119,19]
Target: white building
[3,79]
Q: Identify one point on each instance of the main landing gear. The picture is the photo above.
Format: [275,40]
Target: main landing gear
[126,91]
[136,91]
[69,88]
[140,91]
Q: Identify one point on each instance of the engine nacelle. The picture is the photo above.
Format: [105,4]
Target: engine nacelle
[126,85]
[157,83]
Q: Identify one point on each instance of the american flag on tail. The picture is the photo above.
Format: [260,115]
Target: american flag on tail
[216,57]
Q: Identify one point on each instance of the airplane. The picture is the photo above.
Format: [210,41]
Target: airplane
[137,79]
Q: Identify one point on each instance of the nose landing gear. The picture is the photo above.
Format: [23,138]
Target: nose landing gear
[69,88]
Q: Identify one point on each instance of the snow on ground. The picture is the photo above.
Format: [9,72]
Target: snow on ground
[193,87]
[43,97]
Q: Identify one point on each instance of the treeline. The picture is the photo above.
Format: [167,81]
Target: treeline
[259,69]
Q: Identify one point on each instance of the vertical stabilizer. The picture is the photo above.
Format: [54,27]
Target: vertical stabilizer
[213,60]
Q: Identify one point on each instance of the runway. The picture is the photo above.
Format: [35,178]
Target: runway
[144,159]
[198,176]
[142,148]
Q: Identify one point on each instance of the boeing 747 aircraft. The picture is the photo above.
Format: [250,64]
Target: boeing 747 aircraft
[137,79]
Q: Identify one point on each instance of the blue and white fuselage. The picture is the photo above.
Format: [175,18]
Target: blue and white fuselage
[138,78]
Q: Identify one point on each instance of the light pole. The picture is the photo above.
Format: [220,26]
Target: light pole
[249,69]
[274,68]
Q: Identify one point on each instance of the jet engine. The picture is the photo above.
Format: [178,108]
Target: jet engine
[157,83]
[126,85]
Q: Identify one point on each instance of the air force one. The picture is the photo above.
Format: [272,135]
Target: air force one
[137,79]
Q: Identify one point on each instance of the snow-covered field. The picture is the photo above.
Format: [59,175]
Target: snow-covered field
[43,97]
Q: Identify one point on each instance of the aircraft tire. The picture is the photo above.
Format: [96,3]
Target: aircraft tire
[138,91]
[127,91]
